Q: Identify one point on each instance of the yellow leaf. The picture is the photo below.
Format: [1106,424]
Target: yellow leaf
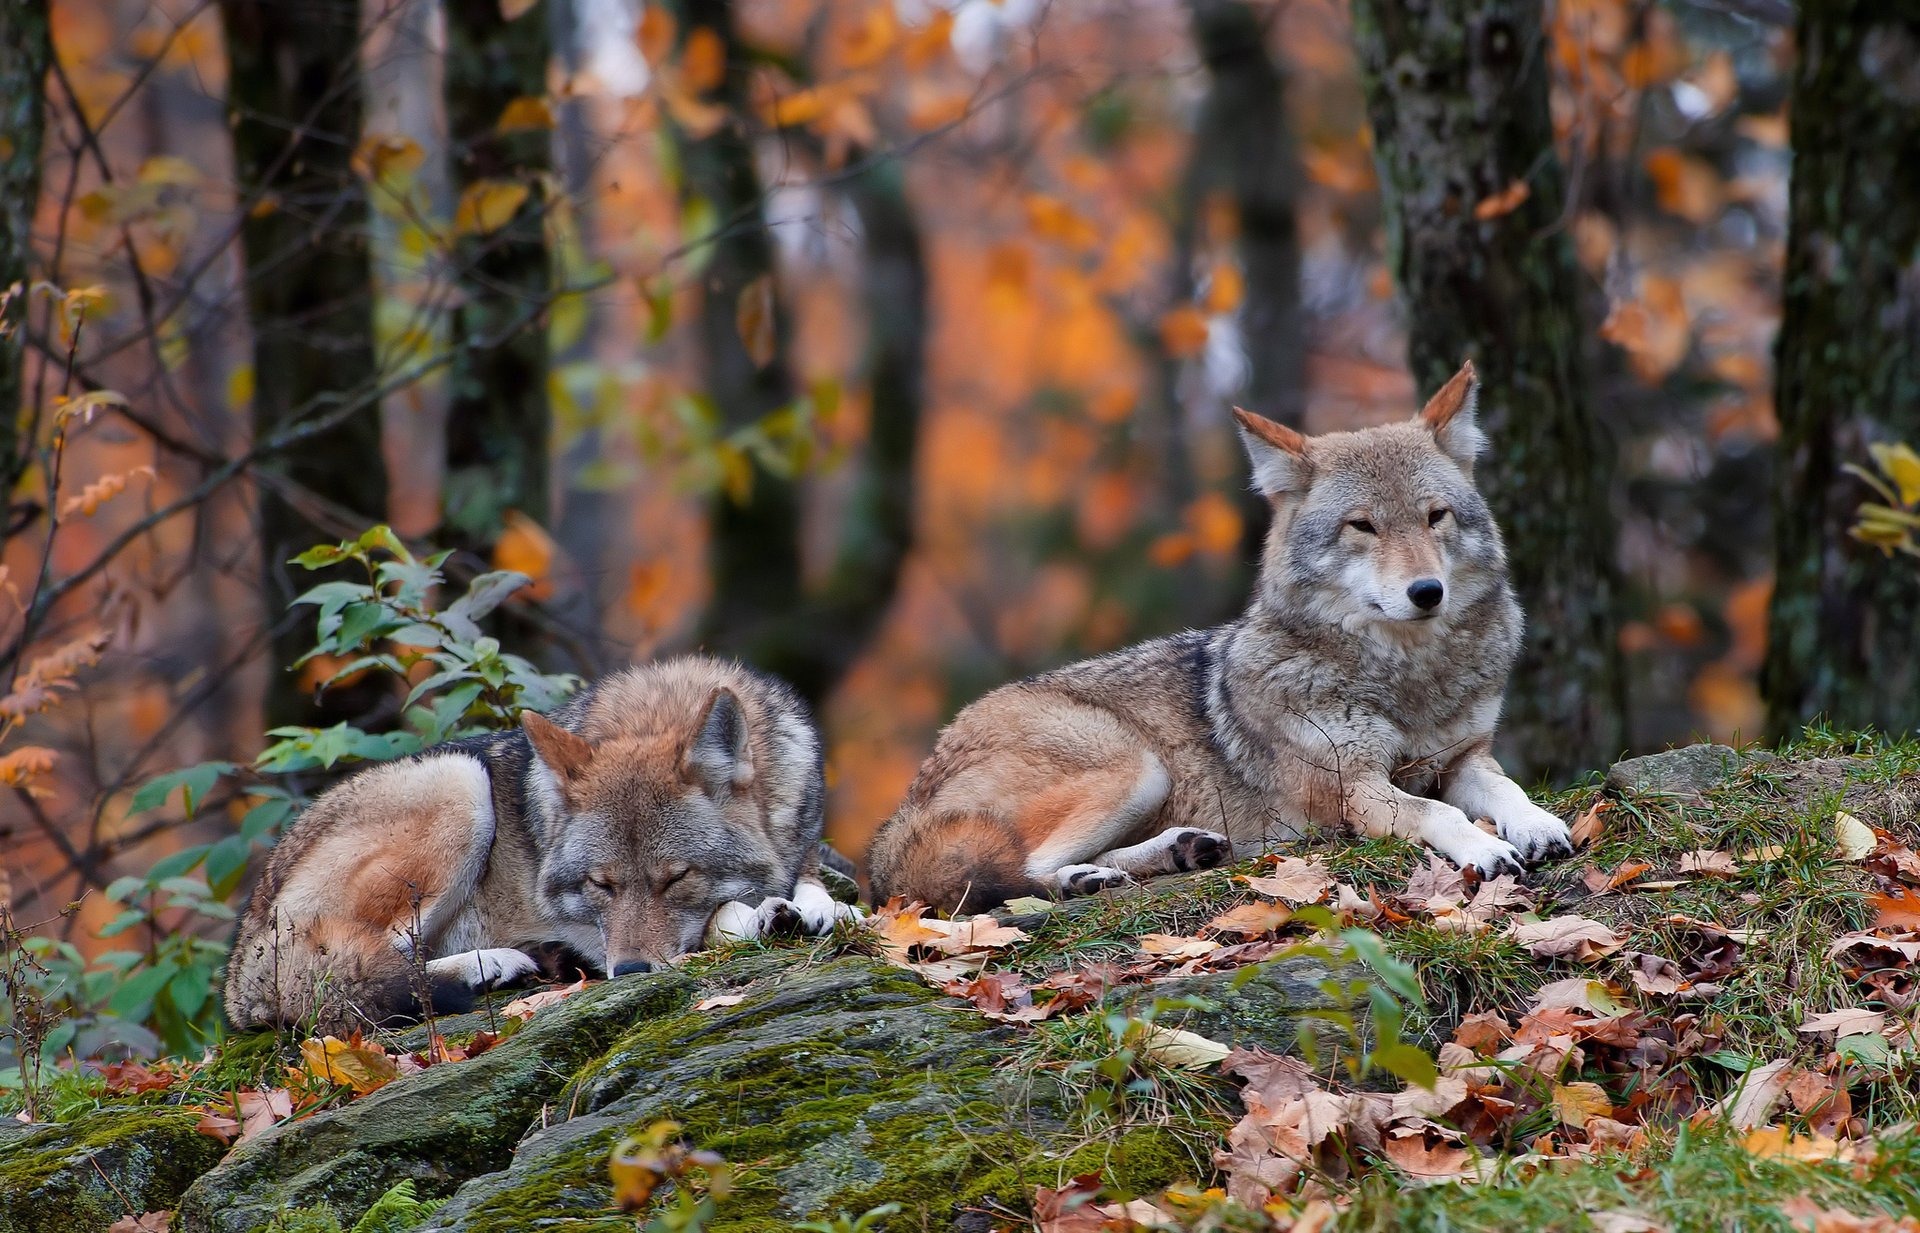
[1576,1104]
[754,316]
[362,1067]
[240,385]
[83,407]
[1185,1049]
[868,43]
[1901,465]
[380,155]
[1502,203]
[525,114]
[488,206]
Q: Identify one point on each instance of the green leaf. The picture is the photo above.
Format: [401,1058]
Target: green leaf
[169,868]
[1408,1062]
[134,998]
[189,989]
[1396,975]
[121,923]
[265,818]
[196,781]
[226,862]
[487,592]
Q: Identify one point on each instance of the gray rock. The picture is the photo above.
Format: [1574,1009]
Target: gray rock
[1259,1005]
[1691,770]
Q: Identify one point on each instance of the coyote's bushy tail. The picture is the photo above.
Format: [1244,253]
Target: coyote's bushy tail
[953,862]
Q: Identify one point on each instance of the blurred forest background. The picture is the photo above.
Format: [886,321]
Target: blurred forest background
[890,345]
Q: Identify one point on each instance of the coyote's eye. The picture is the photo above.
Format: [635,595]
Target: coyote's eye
[673,876]
[1438,516]
[1362,525]
[599,883]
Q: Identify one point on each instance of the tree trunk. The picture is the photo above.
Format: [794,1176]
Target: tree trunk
[1242,150]
[498,424]
[1843,641]
[756,541]
[1457,93]
[25,52]
[294,100]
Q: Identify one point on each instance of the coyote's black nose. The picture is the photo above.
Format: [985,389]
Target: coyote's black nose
[1425,593]
[631,966]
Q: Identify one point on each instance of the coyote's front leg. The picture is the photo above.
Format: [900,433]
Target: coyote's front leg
[1478,786]
[1375,807]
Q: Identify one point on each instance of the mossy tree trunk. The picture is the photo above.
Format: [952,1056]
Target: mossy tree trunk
[26,50]
[1457,93]
[499,420]
[294,98]
[1843,640]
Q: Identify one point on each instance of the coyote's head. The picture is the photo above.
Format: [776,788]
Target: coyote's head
[1379,531]
[649,835]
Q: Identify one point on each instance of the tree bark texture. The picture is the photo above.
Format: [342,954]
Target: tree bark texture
[25,52]
[1843,641]
[1243,150]
[1457,94]
[756,542]
[294,99]
[499,421]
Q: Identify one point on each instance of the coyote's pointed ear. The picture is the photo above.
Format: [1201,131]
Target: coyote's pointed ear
[1452,417]
[1278,454]
[565,753]
[717,761]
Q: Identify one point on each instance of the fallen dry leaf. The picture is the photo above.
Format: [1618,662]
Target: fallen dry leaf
[1709,862]
[1759,1090]
[1173,946]
[1250,919]
[720,1001]
[1185,1049]
[1853,840]
[146,1222]
[1574,937]
[1849,1021]
[218,1126]
[526,1007]
[1576,1104]
[262,1109]
[1592,824]
[1895,911]
[1623,1220]
[1294,880]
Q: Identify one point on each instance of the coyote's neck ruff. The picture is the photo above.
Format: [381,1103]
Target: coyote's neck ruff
[1361,688]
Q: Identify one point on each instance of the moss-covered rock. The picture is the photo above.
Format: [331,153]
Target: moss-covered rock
[437,1128]
[834,1088]
[82,1175]
[1264,1005]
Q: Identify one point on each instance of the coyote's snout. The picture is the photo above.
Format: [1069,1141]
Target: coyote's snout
[1361,686]
[665,802]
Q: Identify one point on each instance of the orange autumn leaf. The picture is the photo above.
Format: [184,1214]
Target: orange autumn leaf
[487,206]
[1053,219]
[930,42]
[525,546]
[703,61]
[1898,910]
[1502,203]
[1225,289]
[868,42]
[1685,184]
[528,114]
[1654,330]
[1183,331]
[1215,524]
[100,491]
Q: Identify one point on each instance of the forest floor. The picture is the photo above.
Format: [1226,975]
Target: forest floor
[1704,1020]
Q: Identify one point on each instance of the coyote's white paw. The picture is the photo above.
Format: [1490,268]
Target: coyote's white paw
[1193,848]
[485,969]
[811,910]
[1536,834]
[1465,845]
[1089,879]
